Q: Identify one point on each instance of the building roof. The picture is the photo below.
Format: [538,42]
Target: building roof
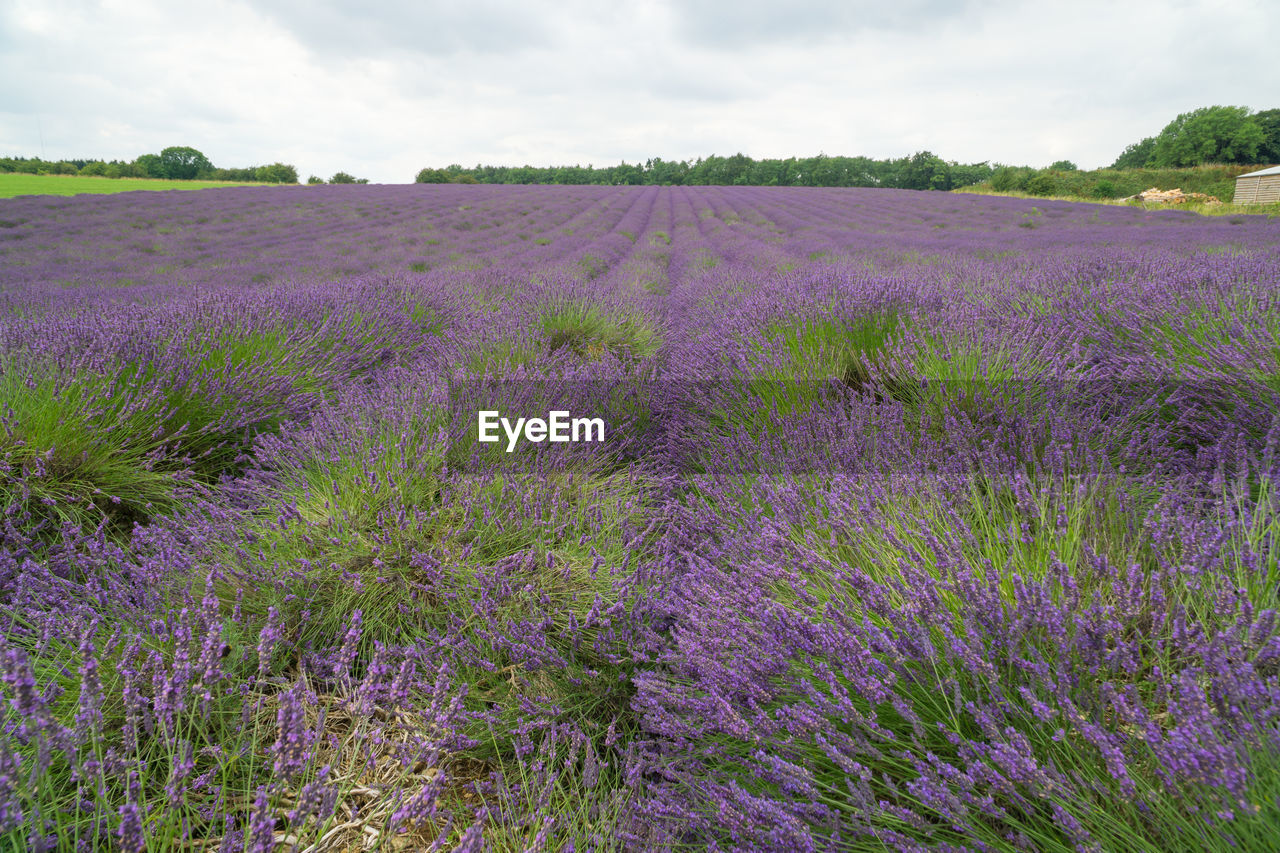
[1274,170]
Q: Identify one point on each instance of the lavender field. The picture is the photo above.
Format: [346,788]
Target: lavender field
[921,521]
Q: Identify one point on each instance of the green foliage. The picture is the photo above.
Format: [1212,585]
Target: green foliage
[172,164]
[126,170]
[1063,166]
[923,170]
[150,165]
[314,179]
[249,174]
[1011,178]
[1209,135]
[1053,536]
[57,456]
[1137,155]
[276,173]
[1214,134]
[1041,184]
[1215,180]
[590,331]
[342,178]
[126,443]
[1269,122]
[964,174]
[182,163]
[798,365]
[592,266]
[350,546]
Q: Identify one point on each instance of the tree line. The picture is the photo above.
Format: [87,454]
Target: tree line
[1209,135]
[176,163]
[920,171]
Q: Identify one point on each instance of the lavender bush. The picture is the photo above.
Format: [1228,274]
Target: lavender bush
[922,522]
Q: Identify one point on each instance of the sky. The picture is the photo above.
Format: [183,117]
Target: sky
[381,90]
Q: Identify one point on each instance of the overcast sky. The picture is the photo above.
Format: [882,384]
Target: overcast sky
[328,85]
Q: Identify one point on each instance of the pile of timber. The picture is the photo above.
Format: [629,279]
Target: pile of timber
[1173,196]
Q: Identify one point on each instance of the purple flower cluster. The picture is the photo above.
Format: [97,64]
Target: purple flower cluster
[923,521]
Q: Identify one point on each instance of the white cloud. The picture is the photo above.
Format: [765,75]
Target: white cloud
[329,85]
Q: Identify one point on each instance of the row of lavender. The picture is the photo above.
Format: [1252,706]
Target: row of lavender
[922,521]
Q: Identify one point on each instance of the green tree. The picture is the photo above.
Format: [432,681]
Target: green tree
[1063,166]
[1208,135]
[150,166]
[1137,155]
[276,173]
[1269,122]
[128,170]
[924,170]
[314,179]
[666,172]
[246,174]
[182,163]
[962,175]
[431,176]
[342,178]
[628,175]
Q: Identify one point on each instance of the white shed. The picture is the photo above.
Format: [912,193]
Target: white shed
[1260,187]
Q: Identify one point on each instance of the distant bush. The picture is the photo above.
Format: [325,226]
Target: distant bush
[432,176]
[1064,166]
[314,179]
[125,170]
[276,173]
[1010,178]
[1104,189]
[246,174]
[1041,184]
[342,178]
[95,169]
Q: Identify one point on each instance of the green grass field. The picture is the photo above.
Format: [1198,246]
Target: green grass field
[15,184]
